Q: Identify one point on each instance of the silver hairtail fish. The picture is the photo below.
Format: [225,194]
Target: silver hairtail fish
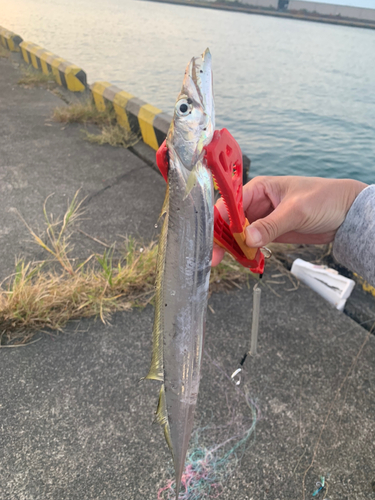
[184,261]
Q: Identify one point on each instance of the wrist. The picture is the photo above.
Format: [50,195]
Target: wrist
[352,188]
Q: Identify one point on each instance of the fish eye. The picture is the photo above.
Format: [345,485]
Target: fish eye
[183,107]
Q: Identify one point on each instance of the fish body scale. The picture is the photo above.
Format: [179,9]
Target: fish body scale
[185,291]
[184,261]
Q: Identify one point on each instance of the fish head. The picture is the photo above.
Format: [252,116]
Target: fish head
[193,121]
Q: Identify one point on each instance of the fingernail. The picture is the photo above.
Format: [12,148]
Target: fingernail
[253,237]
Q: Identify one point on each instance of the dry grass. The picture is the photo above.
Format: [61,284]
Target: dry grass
[37,299]
[4,52]
[50,293]
[228,274]
[32,78]
[83,112]
[114,135]
[287,253]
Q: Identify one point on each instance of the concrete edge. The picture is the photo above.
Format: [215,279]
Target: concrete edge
[248,9]
[10,40]
[366,287]
[132,113]
[67,75]
[143,119]
[151,123]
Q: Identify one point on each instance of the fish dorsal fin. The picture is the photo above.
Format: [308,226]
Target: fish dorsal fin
[162,417]
[157,368]
[165,207]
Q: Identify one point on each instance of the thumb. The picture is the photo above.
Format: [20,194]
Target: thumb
[264,231]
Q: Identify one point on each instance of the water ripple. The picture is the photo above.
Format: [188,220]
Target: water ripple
[299,97]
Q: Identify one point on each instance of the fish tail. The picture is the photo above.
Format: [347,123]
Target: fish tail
[178,486]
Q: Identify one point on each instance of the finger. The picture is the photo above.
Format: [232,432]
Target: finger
[260,197]
[263,231]
[217,255]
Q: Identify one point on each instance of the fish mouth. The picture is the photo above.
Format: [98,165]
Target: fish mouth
[193,123]
[200,71]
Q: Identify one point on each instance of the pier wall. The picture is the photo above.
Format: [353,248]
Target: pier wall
[144,119]
[10,40]
[327,9]
[66,74]
[132,113]
[148,122]
[265,4]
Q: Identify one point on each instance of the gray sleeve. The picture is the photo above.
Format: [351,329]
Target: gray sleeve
[354,244]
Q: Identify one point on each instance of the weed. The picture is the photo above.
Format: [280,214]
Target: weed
[115,135]
[33,78]
[86,112]
[83,112]
[228,274]
[287,253]
[50,293]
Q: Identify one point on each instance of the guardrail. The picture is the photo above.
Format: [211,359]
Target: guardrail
[67,74]
[133,113]
[10,40]
[143,119]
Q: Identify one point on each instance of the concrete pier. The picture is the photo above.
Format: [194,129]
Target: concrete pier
[301,15]
[76,422]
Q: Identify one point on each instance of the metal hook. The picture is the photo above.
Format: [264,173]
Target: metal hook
[267,252]
[235,374]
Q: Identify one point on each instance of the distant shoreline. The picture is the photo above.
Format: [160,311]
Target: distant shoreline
[302,16]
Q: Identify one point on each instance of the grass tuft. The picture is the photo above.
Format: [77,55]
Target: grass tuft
[33,78]
[114,135]
[48,294]
[83,112]
[228,274]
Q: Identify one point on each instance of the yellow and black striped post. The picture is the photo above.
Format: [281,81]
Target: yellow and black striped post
[10,40]
[132,113]
[67,74]
[141,118]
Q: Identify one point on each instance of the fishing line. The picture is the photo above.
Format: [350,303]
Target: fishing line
[207,468]
[257,292]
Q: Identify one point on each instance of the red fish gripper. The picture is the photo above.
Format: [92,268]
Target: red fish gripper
[224,159]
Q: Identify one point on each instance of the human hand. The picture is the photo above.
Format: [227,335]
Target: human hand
[293,209]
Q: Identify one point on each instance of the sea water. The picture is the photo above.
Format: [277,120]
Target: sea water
[298,96]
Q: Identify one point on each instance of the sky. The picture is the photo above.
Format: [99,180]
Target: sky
[370,4]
